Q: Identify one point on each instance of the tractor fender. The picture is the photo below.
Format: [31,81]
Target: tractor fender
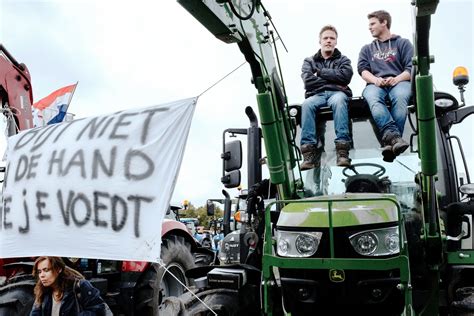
[25,265]
[172,227]
[202,256]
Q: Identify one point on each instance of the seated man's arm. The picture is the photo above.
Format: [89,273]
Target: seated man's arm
[370,78]
[364,69]
[341,75]
[404,76]
[310,77]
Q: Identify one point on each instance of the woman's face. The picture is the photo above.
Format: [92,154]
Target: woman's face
[46,274]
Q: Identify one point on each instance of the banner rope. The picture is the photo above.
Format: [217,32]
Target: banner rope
[187,288]
[218,81]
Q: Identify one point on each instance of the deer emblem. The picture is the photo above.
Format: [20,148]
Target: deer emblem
[336,275]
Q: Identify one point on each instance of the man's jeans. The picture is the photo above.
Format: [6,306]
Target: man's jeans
[392,121]
[338,101]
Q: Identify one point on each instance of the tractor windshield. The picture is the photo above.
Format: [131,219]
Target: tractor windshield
[369,172]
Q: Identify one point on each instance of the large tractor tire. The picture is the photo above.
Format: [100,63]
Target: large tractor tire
[209,302]
[204,257]
[222,302]
[215,301]
[156,283]
[17,299]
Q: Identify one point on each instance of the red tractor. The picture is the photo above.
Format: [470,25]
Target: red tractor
[129,287]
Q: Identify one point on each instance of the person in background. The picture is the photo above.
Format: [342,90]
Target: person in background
[61,290]
[385,64]
[326,76]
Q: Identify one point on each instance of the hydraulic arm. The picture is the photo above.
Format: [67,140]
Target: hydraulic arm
[248,26]
[427,150]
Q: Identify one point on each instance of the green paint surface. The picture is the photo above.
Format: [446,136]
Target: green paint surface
[347,210]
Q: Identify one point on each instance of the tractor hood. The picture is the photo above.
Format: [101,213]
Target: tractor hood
[350,209]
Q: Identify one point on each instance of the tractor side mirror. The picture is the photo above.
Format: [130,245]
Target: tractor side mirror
[210,208]
[231,179]
[232,155]
[173,208]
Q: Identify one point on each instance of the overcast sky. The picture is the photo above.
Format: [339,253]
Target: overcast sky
[128,54]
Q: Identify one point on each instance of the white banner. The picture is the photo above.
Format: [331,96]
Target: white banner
[96,187]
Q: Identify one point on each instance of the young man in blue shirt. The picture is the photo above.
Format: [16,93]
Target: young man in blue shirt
[385,64]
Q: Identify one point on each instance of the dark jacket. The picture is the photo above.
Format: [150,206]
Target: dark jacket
[334,73]
[88,296]
[386,59]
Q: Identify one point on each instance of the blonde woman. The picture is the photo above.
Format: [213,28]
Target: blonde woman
[61,290]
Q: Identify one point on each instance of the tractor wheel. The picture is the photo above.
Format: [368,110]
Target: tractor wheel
[224,304]
[17,302]
[209,302]
[156,283]
[203,259]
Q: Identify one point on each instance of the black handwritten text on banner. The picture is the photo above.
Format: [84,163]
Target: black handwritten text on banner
[96,187]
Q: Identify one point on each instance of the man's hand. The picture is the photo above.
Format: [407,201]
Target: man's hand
[391,81]
[379,82]
[386,82]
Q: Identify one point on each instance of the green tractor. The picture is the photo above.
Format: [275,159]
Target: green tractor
[375,238]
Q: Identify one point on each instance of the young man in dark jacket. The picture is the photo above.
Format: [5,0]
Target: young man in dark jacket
[385,64]
[326,76]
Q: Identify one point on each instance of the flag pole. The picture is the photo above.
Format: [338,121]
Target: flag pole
[70,99]
[72,94]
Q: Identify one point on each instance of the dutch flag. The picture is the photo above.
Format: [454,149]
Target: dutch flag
[56,104]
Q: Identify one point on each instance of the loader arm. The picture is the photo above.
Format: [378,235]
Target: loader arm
[426,121]
[248,25]
[426,127]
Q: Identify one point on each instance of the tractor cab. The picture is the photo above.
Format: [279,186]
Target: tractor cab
[368,173]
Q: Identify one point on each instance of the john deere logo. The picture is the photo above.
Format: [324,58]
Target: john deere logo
[336,275]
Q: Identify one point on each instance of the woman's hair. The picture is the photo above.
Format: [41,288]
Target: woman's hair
[65,279]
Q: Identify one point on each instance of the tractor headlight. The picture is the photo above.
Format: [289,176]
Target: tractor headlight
[445,102]
[365,244]
[293,112]
[377,242]
[297,244]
